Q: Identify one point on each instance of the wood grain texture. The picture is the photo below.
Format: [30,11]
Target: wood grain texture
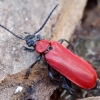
[69,16]
[91,98]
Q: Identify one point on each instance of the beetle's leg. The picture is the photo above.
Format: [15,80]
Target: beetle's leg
[53,80]
[73,46]
[70,45]
[67,85]
[77,43]
[62,40]
[28,49]
[64,82]
[29,69]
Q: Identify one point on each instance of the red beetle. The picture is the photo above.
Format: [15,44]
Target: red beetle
[70,66]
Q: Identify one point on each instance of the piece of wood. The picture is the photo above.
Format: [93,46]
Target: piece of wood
[91,98]
[69,16]
[21,16]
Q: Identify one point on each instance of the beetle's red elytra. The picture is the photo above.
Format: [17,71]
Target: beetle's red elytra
[71,66]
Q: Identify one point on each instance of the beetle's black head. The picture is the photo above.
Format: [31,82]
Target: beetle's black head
[31,40]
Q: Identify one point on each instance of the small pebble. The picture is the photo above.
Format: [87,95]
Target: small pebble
[18,89]
[26,19]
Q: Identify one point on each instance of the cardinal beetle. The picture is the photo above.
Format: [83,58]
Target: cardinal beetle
[70,66]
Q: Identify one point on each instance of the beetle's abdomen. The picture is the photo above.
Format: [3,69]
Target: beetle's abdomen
[71,66]
[41,46]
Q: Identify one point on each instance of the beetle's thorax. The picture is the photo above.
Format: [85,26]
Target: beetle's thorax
[42,45]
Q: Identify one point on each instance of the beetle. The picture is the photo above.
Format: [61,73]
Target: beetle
[71,67]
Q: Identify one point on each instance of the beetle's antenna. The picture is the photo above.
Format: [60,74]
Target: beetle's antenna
[46,19]
[20,37]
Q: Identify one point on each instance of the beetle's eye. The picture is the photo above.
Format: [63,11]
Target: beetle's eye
[30,42]
[39,37]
